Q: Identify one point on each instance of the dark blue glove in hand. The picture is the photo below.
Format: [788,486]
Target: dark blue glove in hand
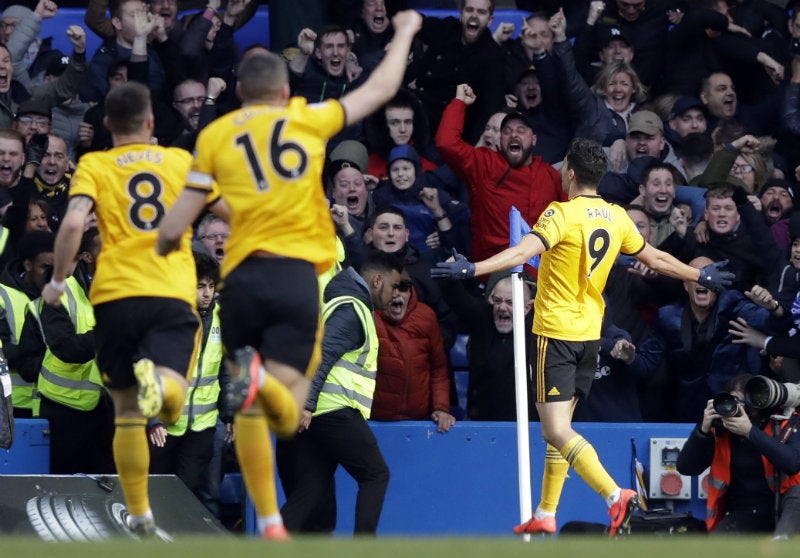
[714,278]
[459,269]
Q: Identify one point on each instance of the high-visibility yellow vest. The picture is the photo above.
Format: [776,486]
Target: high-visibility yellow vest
[200,407]
[351,381]
[76,385]
[23,394]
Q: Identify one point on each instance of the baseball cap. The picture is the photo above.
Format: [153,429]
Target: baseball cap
[517,115]
[646,122]
[685,103]
[608,34]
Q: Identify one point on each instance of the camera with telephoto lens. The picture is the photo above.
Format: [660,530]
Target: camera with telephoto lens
[761,392]
[726,404]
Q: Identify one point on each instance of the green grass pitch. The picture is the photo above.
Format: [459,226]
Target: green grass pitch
[392,547]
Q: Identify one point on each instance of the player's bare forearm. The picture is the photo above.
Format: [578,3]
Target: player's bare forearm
[530,246]
[665,264]
[70,232]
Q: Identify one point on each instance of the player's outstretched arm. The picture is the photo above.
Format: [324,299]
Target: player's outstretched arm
[530,246]
[68,240]
[386,79]
[710,276]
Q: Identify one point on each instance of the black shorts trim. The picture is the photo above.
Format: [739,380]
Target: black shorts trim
[165,330]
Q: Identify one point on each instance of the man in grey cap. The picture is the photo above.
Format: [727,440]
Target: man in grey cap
[645,138]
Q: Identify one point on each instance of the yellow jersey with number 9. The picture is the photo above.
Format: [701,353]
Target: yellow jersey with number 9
[132,187]
[583,237]
[267,162]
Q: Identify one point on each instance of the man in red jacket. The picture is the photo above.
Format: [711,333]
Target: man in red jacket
[413,381]
[497,180]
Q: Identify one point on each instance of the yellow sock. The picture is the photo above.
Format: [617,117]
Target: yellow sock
[280,407]
[254,450]
[555,473]
[583,458]
[132,457]
[174,397]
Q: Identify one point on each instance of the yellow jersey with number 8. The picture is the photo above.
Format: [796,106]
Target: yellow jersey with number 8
[132,187]
[267,162]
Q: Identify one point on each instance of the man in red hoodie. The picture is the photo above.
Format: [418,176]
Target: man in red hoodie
[497,180]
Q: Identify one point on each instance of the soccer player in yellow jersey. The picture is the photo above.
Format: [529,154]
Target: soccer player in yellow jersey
[267,160]
[146,323]
[579,240]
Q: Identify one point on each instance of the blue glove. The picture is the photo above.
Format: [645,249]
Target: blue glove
[712,277]
[459,269]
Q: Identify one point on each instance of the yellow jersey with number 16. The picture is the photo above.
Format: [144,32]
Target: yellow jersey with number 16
[132,187]
[267,162]
[583,237]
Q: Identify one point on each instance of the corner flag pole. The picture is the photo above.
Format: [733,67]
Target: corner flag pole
[518,227]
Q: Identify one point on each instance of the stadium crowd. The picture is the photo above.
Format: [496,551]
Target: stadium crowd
[696,103]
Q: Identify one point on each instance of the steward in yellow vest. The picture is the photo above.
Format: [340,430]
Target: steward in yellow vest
[186,448]
[73,399]
[333,427]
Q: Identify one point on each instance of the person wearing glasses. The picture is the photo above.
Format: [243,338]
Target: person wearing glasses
[490,349]
[213,233]
[743,455]
[413,378]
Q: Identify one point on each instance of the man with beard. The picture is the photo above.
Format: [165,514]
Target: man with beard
[490,349]
[497,180]
[413,381]
[540,94]
[459,51]
[777,203]
[196,105]
[692,338]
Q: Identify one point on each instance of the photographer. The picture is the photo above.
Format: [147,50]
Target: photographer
[739,447]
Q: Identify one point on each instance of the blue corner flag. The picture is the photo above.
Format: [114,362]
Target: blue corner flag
[517,228]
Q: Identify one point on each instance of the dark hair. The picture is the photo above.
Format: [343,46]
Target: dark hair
[652,167]
[376,128]
[727,130]
[587,160]
[34,243]
[127,107]
[331,29]
[87,240]
[206,267]
[695,148]
[378,261]
[383,210]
